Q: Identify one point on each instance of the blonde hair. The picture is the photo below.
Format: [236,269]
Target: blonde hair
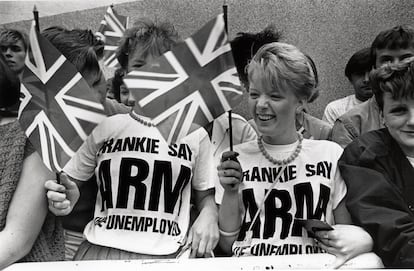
[285,68]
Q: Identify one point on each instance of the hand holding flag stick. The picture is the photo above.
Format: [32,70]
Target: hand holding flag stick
[229,112]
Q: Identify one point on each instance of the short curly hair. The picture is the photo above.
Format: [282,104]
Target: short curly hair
[395,78]
[284,67]
[155,39]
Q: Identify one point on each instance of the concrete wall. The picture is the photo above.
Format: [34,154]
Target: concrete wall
[328,30]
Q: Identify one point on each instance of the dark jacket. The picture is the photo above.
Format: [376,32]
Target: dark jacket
[380,198]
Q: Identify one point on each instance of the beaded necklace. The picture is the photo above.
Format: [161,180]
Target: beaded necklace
[140,120]
[283,162]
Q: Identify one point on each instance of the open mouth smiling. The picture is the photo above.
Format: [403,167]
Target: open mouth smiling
[265,117]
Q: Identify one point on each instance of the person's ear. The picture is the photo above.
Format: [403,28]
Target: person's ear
[301,107]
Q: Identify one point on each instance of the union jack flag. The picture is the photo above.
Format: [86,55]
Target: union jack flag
[111,31]
[190,85]
[58,109]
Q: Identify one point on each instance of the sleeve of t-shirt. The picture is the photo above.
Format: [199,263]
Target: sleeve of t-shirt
[219,190]
[82,165]
[329,115]
[204,165]
[339,184]
[248,133]
[343,132]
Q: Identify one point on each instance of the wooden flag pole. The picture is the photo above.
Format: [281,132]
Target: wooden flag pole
[36,18]
[226,29]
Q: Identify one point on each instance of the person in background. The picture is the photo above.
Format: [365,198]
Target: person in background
[13,46]
[309,126]
[28,233]
[266,186]
[356,70]
[390,46]
[378,168]
[120,91]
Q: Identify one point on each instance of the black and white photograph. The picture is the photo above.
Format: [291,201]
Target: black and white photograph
[206,134]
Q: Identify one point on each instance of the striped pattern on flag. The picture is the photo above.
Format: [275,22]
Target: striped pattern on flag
[58,109]
[111,31]
[190,85]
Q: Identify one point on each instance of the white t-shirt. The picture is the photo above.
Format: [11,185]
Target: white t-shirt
[143,200]
[337,108]
[310,187]
[242,132]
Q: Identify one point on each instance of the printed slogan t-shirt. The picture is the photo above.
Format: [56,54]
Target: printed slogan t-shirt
[311,187]
[143,200]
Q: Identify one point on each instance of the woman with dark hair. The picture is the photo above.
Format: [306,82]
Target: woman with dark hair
[120,91]
[27,231]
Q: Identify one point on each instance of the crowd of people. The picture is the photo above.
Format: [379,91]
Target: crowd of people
[128,194]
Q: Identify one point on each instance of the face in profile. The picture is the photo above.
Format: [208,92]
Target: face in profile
[399,119]
[15,55]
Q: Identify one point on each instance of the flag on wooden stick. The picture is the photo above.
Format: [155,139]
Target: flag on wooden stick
[190,85]
[58,110]
[110,32]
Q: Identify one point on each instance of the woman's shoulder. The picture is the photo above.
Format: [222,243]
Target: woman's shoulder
[247,147]
[321,143]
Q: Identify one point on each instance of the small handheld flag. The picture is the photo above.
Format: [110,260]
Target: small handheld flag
[58,110]
[190,85]
[110,32]
[36,18]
